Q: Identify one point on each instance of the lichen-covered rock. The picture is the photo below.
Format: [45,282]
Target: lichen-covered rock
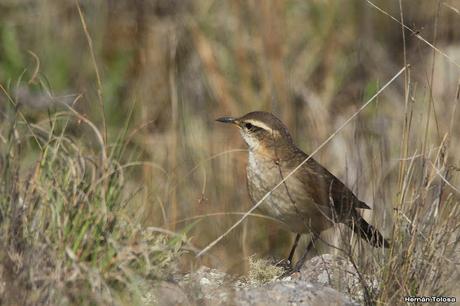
[166,294]
[208,286]
[293,292]
[338,273]
[211,287]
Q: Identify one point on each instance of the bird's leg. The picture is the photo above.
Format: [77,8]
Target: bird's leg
[287,264]
[294,247]
[302,259]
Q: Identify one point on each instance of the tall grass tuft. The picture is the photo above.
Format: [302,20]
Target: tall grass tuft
[69,233]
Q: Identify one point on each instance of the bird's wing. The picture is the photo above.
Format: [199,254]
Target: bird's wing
[326,189]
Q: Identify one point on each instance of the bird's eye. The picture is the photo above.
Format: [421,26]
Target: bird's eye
[248,126]
[251,127]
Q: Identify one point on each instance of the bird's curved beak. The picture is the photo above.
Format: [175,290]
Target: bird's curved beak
[227,120]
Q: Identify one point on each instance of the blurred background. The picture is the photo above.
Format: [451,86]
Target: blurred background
[178,65]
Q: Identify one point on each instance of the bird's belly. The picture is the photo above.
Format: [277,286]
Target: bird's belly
[288,203]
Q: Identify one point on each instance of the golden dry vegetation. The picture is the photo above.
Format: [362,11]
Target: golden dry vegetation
[114,173]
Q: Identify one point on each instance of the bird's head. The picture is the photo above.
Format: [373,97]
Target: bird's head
[263,132]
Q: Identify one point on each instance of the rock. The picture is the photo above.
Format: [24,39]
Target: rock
[295,292]
[166,294]
[208,286]
[338,273]
[211,287]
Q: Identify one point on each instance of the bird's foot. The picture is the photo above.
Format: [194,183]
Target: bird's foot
[286,264]
[287,273]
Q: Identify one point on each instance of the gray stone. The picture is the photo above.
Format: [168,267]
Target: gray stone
[166,294]
[211,287]
[294,292]
[338,273]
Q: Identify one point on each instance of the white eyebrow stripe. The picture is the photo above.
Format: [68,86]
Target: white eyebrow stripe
[262,125]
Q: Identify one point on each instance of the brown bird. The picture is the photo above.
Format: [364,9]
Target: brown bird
[312,199]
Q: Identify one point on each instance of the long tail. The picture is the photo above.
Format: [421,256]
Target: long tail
[369,233]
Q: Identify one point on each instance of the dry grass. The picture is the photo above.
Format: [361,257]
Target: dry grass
[68,231]
[86,187]
[262,271]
